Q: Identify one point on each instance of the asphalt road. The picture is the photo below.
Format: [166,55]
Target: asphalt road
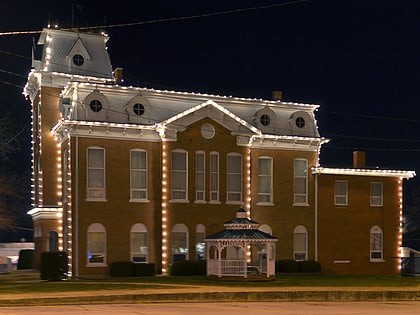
[242,308]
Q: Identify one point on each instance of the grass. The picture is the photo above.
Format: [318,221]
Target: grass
[29,282]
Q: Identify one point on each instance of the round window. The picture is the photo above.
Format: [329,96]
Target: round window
[265,120]
[300,122]
[78,60]
[207,131]
[138,109]
[96,106]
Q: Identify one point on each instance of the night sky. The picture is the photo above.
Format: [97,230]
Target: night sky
[358,60]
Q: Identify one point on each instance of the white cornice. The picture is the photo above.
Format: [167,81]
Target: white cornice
[363,172]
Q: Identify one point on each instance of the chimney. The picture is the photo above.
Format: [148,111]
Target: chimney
[359,159]
[118,75]
[277,95]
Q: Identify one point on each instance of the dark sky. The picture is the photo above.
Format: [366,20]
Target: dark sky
[359,60]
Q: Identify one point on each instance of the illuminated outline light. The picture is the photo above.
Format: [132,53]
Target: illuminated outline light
[363,172]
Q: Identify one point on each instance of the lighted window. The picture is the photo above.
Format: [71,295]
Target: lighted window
[214,176]
[376,244]
[78,60]
[138,243]
[200,245]
[179,180]
[300,176]
[95,173]
[138,109]
[96,106]
[96,244]
[138,174]
[179,242]
[376,194]
[200,176]
[234,177]
[300,243]
[341,193]
[265,179]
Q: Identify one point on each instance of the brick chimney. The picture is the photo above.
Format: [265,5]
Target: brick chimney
[359,159]
[277,95]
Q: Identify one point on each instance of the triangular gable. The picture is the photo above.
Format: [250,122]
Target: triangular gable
[79,48]
[189,116]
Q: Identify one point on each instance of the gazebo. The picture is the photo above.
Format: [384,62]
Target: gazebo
[241,250]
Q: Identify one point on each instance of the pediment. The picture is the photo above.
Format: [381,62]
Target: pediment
[79,48]
[214,111]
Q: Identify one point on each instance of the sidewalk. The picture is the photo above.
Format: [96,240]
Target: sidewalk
[196,293]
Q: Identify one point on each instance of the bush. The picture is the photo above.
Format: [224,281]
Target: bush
[26,259]
[122,269]
[188,268]
[54,266]
[309,266]
[287,265]
[142,269]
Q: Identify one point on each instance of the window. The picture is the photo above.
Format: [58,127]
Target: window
[300,122]
[200,245]
[265,179]
[265,120]
[96,106]
[300,172]
[95,173]
[138,109]
[207,131]
[300,243]
[138,175]
[179,242]
[200,176]
[78,60]
[179,175]
[138,243]
[376,244]
[341,193]
[214,176]
[376,194]
[234,177]
[96,244]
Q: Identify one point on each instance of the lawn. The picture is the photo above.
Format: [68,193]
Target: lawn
[27,282]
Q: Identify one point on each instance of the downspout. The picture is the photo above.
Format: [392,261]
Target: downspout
[316,217]
[76,211]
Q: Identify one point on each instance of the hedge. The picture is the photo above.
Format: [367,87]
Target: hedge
[309,266]
[26,259]
[188,268]
[54,266]
[287,266]
[130,269]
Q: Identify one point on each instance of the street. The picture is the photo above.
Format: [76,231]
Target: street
[242,308]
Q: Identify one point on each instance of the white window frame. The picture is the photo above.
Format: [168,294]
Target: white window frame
[200,245]
[139,228]
[214,177]
[139,170]
[374,251]
[181,251]
[95,193]
[262,177]
[174,179]
[376,200]
[339,198]
[300,255]
[200,177]
[96,228]
[299,198]
[229,175]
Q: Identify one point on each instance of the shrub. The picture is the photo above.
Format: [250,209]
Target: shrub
[188,268]
[122,269]
[287,265]
[26,259]
[54,266]
[309,266]
[144,269]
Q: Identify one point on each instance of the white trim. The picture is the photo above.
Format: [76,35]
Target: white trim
[363,172]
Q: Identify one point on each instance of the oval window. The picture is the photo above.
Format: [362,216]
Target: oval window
[265,120]
[96,106]
[138,109]
[300,122]
[78,60]
[207,131]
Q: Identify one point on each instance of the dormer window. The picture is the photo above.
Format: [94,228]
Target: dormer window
[96,106]
[78,60]
[300,122]
[138,109]
[265,120]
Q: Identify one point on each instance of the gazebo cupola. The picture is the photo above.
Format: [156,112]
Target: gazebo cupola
[241,249]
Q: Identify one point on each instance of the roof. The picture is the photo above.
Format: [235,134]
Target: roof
[241,235]
[363,172]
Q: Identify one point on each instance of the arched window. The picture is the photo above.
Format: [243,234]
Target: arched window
[234,177]
[300,243]
[214,176]
[200,178]
[179,242]
[200,246]
[300,174]
[95,173]
[265,180]
[96,244]
[376,244]
[138,243]
[52,241]
[138,175]
[266,229]
[179,182]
